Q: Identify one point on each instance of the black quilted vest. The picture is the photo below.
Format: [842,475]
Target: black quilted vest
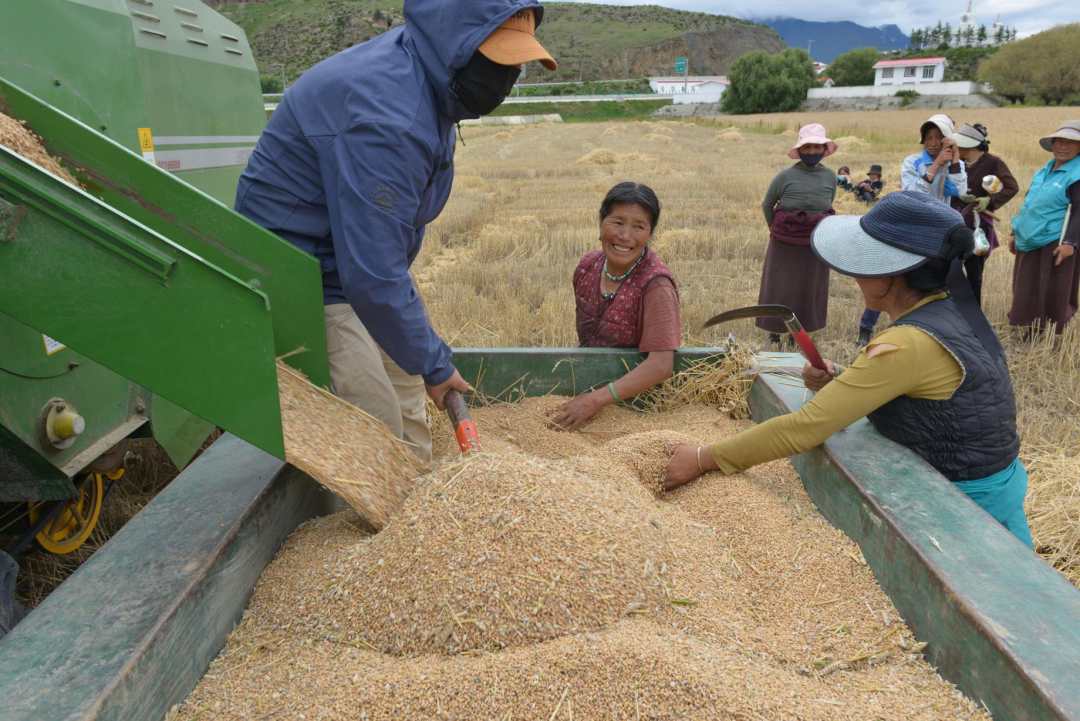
[972,434]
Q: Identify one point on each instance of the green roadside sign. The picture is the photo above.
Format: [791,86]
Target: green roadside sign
[680,65]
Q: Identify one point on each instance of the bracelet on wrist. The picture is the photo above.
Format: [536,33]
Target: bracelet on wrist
[614,393]
[700,468]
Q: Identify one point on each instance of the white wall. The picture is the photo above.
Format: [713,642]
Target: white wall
[883,91]
[696,92]
[899,77]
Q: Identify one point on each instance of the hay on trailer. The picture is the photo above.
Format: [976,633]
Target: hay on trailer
[496,551]
[348,451]
[721,382]
[20,139]
[766,612]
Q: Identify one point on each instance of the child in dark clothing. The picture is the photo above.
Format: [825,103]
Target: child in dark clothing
[843,178]
[869,189]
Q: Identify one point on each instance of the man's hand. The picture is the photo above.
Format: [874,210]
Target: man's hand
[454,383]
[981,204]
[1062,253]
[577,412]
[815,379]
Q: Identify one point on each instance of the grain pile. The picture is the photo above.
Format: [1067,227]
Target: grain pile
[343,448]
[741,602]
[22,140]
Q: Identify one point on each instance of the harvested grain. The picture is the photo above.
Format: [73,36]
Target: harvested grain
[764,611]
[25,142]
[348,451]
[497,551]
[647,455]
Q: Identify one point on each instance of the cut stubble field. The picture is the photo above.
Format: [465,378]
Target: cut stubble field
[496,266]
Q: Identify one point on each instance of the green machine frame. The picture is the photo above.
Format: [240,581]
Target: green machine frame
[149,282]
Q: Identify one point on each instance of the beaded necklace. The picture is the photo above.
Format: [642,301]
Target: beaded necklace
[619,278]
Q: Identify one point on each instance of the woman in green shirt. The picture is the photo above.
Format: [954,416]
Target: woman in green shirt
[936,381]
[796,201]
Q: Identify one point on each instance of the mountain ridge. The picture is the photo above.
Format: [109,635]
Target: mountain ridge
[832,38]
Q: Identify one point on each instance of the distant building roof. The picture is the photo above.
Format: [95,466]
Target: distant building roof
[907,62]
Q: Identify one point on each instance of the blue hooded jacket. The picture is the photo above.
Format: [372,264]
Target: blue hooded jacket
[358,159]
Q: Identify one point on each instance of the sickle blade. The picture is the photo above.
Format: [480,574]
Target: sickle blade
[767,310]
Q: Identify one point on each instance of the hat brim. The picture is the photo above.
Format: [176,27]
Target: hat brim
[830,147]
[964,141]
[514,47]
[1047,143]
[841,243]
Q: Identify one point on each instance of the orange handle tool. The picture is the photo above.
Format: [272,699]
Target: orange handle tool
[464,426]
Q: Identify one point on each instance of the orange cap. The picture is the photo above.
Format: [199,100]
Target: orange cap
[514,42]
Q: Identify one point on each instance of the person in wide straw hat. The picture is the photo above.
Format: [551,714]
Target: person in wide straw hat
[1046,233]
[935,381]
[796,201]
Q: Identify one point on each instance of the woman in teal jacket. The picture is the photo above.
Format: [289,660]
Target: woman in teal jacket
[1046,233]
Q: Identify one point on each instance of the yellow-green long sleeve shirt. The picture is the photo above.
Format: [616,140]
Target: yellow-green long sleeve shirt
[919,367]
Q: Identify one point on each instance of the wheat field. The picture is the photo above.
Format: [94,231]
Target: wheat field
[496,266]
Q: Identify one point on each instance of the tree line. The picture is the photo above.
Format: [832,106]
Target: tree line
[942,36]
[1043,68]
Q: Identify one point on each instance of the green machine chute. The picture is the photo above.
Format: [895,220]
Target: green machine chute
[139,300]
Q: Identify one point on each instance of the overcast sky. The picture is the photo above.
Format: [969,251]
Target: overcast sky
[1028,16]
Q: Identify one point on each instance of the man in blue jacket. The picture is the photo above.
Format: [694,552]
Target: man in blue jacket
[358,159]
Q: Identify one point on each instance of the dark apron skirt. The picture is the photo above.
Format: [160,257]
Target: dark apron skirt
[793,276]
[1043,294]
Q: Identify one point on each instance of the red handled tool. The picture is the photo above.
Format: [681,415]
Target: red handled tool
[776,311]
[464,426]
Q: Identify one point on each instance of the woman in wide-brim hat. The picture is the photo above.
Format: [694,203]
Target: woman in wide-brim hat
[796,201]
[1046,233]
[935,381]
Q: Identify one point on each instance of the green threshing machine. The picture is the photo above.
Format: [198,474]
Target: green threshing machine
[138,303]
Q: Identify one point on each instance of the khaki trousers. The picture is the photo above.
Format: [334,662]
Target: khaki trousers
[365,376]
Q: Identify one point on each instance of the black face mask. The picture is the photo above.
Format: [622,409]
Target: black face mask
[482,84]
[811,160]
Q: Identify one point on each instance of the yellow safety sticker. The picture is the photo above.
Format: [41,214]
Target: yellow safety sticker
[146,140]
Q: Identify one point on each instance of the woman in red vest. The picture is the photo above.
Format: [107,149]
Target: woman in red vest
[626,298]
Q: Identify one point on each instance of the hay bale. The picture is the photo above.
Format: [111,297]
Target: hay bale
[497,551]
[729,135]
[658,138]
[350,452]
[25,142]
[598,156]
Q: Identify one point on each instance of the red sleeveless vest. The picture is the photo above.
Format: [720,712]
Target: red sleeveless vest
[614,323]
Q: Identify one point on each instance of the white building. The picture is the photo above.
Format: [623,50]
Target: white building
[912,71]
[690,89]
